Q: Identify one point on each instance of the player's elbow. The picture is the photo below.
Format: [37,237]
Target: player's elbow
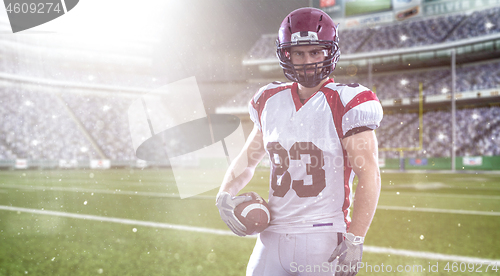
[370,176]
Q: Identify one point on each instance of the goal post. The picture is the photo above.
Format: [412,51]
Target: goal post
[420,146]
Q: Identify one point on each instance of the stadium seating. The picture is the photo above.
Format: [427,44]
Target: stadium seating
[477,133]
[35,125]
[105,119]
[42,121]
[412,33]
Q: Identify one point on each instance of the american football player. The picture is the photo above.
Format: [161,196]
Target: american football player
[318,134]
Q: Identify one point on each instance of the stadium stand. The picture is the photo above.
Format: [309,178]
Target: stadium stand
[435,81]
[44,121]
[105,119]
[35,125]
[478,132]
[412,33]
[405,84]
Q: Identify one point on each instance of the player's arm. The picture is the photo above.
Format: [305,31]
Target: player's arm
[362,152]
[239,173]
[248,159]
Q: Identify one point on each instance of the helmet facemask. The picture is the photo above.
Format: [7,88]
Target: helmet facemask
[298,72]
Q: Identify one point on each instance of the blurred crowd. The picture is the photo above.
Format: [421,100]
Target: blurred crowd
[44,117]
[414,33]
[477,133]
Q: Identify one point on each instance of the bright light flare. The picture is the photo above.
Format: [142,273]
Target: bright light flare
[112,19]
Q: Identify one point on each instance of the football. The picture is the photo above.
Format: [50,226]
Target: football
[254,214]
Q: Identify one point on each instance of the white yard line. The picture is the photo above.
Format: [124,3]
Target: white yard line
[98,191]
[175,196]
[118,220]
[435,210]
[367,248]
[172,195]
[427,255]
[393,193]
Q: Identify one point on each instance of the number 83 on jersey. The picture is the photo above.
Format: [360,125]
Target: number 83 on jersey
[280,164]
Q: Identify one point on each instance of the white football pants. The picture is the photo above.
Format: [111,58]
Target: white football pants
[293,254]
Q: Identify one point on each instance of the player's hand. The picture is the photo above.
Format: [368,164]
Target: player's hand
[226,203]
[349,252]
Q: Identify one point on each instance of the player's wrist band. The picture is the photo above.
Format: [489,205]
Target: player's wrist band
[354,239]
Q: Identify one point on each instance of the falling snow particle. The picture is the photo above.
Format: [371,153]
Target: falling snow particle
[134,230]
[421,237]
[91,175]
[100,271]
[85,202]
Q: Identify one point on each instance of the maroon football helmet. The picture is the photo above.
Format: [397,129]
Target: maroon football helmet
[308,26]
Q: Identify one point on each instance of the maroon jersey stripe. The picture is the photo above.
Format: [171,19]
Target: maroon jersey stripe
[296,97]
[360,98]
[338,111]
[261,102]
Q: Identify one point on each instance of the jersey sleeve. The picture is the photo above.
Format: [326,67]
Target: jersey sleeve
[254,107]
[362,108]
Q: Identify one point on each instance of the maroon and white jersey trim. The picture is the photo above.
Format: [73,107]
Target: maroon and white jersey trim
[258,101]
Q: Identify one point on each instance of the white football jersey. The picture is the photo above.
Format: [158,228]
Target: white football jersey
[311,178]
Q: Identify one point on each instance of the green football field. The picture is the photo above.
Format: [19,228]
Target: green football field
[131,222]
